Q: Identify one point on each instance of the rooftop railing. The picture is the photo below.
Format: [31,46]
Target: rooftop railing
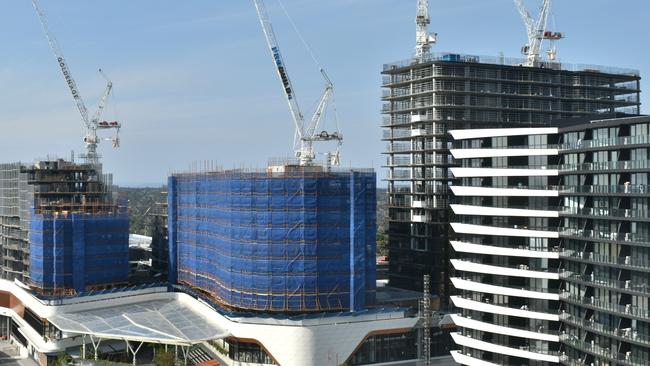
[512,61]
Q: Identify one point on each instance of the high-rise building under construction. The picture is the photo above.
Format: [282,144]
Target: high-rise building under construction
[429,94]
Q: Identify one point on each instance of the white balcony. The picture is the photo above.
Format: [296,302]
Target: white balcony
[463,359]
[419,118]
[500,132]
[501,310]
[502,172]
[491,347]
[418,132]
[421,204]
[463,247]
[497,211]
[420,218]
[462,284]
[501,231]
[490,153]
[467,266]
[502,192]
[498,329]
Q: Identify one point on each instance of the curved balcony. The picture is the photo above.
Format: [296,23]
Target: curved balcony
[498,211]
[500,132]
[502,231]
[504,191]
[617,213]
[642,289]
[464,247]
[503,172]
[530,353]
[550,336]
[468,360]
[500,152]
[469,285]
[606,236]
[626,334]
[521,271]
[599,259]
[606,353]
[617,142]
[469,304]
[596,304]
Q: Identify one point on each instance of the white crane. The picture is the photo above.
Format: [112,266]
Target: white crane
[423,39]
[537,33]
[91,124]
[304,136]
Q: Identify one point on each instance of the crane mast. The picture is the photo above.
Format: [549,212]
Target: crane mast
[537,32]
[423,39]
[91,125]
[305,136]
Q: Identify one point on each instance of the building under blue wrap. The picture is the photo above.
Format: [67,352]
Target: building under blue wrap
[295,241]
[78,251]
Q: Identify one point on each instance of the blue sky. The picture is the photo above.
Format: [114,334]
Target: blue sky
[194,80]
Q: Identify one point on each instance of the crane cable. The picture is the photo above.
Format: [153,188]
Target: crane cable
[313,57]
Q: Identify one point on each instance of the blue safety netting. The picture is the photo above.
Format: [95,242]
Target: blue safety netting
[291,243]
[78,251]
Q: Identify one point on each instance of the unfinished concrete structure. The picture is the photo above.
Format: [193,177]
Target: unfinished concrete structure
[47,212]
[424,98]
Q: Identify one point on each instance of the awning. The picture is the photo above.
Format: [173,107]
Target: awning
[156,321]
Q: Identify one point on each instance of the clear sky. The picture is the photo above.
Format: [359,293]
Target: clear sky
[194,80]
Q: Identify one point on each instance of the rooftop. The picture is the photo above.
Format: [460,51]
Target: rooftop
[512,61]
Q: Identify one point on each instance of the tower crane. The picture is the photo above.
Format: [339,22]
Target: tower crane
[537,32]
[91,124]
[423,39]
[305,135]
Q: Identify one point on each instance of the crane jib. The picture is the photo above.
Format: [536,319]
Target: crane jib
[282,72]
[68,78]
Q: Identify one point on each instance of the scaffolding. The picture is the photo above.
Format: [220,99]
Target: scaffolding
[72,205]
[293,241]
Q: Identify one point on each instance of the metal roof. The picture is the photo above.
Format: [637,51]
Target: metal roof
[156,321]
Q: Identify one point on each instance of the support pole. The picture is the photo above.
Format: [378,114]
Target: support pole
[83,346]
[95,345]
[134,352]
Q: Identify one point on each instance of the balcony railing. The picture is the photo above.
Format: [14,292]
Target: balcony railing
[606,282]
[626,333]
[606,235]
[612,212]
[606,165]
[595,349]
[630,310]
[627,261]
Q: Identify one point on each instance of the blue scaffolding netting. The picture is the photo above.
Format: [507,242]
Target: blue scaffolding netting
[78,252]
[288,243]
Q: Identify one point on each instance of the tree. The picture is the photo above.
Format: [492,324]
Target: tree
[163,357]
[62,359]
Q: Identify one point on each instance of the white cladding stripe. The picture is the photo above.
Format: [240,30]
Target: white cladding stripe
[497,329]
[491,347]
[462,359]
[467,266]
[493,153]
[502,310]
[462,284]
[501,172]
[503,192]
[500,132]
[463,247]
[497,211]
[500,231]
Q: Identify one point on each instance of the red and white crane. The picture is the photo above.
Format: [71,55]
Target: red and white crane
[305,135]
[91,124]
[537,33]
